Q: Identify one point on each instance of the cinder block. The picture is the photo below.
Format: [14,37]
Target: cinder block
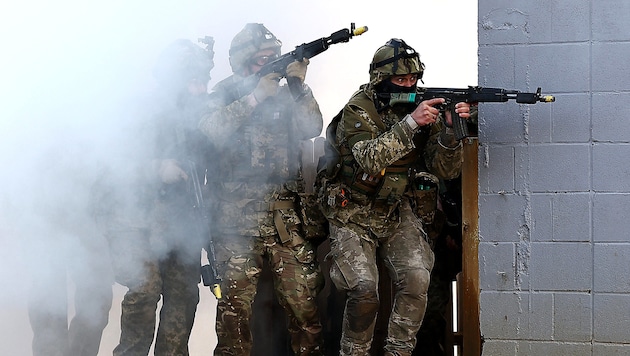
[553,348]
[572,316]
[496,169]
[498,347]
[561,217]
[548,121]
[610,20]
[611,167]
[501,123]
[502,218]
[504,315]
[560,67]
[568,21]
[559,168]
[533,21]
[611,349]
[610,217]
[503,23]
[609,111]
[610,66]
[496,265]
[612,270]
[561,266]
[501,62]
[612,318]
[541,316]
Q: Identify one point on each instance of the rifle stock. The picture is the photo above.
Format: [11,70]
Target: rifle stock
[472,94]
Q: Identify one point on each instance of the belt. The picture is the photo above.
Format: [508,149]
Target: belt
[272,206]
[276,206]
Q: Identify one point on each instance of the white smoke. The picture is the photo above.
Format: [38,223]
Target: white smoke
[71,73]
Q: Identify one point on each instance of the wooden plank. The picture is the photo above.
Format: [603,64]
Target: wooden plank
[471,345]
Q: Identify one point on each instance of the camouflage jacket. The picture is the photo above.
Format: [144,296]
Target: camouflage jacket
[257,158]
[380,146]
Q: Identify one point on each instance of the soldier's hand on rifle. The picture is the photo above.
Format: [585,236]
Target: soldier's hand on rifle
[426,113]
[297,69]
[170,172]
[463,109]
[267,86]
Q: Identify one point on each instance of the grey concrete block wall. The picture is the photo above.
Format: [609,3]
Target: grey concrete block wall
[554,179]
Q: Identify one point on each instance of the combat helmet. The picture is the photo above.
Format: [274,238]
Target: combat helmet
[183,61]
[253,38]
[394,58]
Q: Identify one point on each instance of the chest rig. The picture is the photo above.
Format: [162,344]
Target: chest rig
[389,185]
[263,149]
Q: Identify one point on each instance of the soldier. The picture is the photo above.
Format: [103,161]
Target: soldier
[64,240]
[257,182]
[156,251]
[384,192]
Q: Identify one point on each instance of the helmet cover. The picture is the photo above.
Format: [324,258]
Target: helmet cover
[252,38]
[394,58]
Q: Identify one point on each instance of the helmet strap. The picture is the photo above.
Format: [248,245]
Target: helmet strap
[407,52]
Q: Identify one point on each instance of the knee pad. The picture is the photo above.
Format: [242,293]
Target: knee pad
[416,281]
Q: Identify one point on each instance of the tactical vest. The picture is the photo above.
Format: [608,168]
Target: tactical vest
[263,150]
[390,184]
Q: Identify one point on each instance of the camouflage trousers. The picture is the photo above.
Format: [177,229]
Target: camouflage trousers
[297,280]
[408,259]
[174,277]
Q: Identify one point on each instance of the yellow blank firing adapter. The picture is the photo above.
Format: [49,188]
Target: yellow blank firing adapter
[216,290]
[548,99]
[359,31]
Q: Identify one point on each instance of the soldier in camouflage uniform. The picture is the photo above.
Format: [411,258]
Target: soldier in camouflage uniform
[257,181]
[156,251]
[391,158]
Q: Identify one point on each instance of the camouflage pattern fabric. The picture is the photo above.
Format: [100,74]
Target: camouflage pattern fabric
[375,148]
[409,260]
[174,277]
[363,230]
[297,280]
[257,168]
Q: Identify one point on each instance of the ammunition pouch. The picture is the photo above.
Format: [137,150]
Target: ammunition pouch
[393,185]
[314,223]
[424,190]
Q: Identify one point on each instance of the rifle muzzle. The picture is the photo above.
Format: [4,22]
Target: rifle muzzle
[359,31]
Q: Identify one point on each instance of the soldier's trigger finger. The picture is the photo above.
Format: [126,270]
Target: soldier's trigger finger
[435,101]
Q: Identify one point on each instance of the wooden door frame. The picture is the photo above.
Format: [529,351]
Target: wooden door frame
[469,288]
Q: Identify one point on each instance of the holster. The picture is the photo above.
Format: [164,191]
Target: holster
[276,206]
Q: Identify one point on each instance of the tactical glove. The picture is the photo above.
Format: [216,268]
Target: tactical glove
[297,69]
[267,86]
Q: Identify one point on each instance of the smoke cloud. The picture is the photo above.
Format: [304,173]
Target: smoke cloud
[75,76]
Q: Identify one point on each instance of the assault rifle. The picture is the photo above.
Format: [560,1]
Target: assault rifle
[209,272]
[470,95]
[305,50]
